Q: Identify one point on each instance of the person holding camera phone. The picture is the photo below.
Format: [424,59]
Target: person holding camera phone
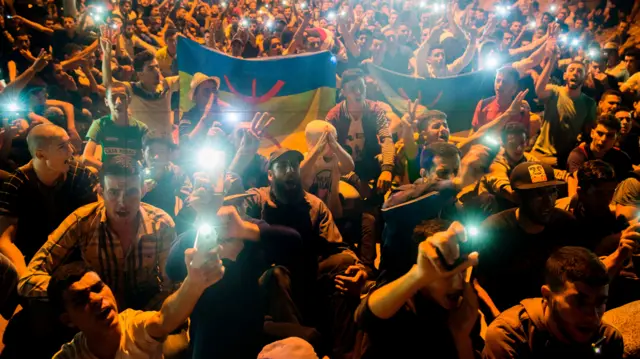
[227,321]
[430,308]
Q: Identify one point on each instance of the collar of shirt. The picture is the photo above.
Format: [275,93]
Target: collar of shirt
[145,226]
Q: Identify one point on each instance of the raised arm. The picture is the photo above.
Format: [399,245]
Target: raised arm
[177,308]
[35,25]
[13,88]
[460,63]
[297,38]
[542,90]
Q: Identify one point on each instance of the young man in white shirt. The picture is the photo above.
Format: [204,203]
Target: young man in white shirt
[87,303]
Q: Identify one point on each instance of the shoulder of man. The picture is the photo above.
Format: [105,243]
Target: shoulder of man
[507,332]
[159,218]
[334,113]
[11,191]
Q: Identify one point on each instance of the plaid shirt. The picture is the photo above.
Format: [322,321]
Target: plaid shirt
[137,278]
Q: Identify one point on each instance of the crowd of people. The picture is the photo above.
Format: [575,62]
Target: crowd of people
[132,229]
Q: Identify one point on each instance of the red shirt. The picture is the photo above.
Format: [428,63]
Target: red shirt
[488,110]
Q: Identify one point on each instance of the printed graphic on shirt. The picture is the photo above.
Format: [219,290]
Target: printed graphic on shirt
[537,174]
[322,185]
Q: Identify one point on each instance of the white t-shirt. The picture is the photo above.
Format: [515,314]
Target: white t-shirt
[323,177]
[355,139]
[154,109]
[135,342]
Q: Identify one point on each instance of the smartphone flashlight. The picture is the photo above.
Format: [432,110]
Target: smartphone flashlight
[13,107]
[303,5]
[532,24]
[210,159]
[331,15]
[245,23]
[553,8]
[343,14]
[472,231]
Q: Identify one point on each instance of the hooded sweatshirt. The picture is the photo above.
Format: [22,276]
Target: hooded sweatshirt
[520,332]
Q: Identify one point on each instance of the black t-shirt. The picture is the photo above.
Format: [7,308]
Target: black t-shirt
[619,160]
[227,321]
[22,64]
[512,261]
[60,38]
[40,209]
[409,332]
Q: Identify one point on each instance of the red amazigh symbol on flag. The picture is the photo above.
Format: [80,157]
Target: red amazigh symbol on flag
[253,100]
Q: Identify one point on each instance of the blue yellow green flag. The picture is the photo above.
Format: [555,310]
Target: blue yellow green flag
[293,89]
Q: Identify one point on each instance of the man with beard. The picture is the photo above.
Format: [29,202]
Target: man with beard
[150,95]
[130,43]
[567,321]
[609,102]
[121,221]
[603,138]
[506,89]
[535,227]
[85,302]
[430,307]
[568,112]
[327,267]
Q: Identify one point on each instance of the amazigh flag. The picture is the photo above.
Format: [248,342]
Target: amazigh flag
[456,96]
[293,89]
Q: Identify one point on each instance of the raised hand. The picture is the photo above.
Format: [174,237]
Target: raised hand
[353,281]
[517,104]
[429,267]
[42,60]
[210,270]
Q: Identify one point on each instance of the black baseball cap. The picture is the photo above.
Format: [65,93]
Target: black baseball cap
[532,175]
[284,153]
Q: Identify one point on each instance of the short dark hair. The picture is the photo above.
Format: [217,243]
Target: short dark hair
[170,32]
[141,59]
[426,117]
[61,280]
[609,121]
[132,169]
[633,53]
[513,128]
[509,71]
[574,264]
[577,63]
[351,75]
[593,173]
[609,93]
[436,47]
[441,149]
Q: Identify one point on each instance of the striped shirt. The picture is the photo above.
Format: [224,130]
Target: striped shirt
[39,209]
[137,278]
